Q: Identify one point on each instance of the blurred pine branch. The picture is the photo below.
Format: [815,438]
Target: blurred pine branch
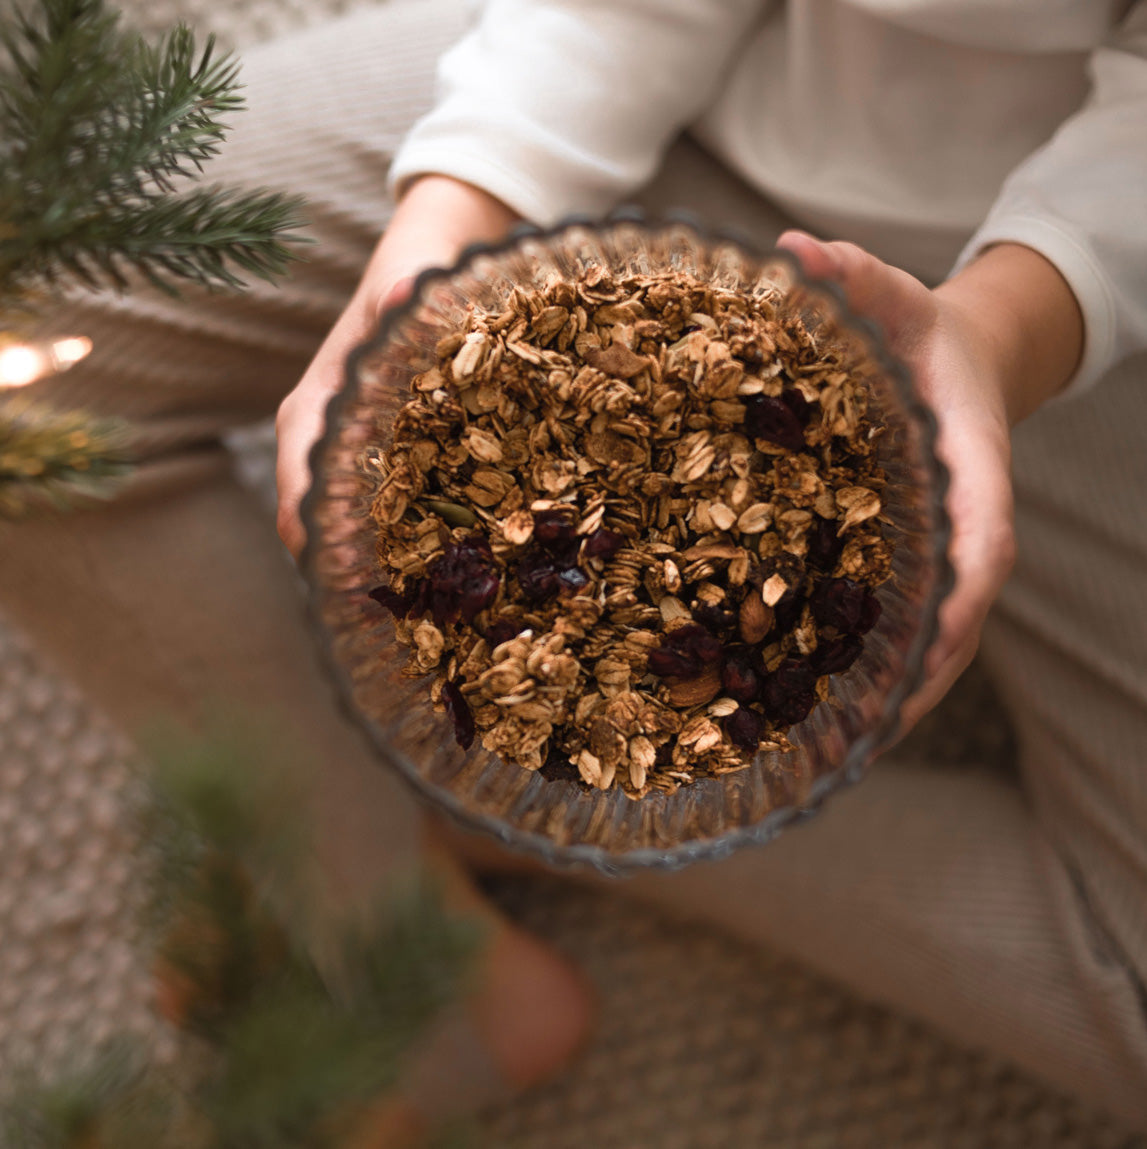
[51,460]
[296,1054]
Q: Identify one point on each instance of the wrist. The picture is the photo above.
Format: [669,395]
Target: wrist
[1026,320]
[435,219]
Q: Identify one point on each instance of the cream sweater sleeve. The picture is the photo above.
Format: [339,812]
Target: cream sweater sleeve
[559,106]
[1081,201]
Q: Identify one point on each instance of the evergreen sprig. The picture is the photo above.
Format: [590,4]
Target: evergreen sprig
[99,130]
[289,1053]
[50,460]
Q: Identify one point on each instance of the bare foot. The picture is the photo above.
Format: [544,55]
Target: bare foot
[528,1015]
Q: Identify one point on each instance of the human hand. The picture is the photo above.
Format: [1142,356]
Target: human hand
[985,349]
[435,220]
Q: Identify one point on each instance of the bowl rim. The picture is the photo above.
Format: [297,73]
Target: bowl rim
[859,754]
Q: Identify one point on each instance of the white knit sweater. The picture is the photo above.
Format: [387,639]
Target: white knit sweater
[917,128]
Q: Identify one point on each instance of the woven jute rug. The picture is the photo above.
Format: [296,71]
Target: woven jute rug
[728,1047]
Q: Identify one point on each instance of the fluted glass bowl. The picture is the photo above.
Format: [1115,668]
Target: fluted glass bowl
[561,821]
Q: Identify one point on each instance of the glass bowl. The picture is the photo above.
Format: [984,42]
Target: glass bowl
[561,821]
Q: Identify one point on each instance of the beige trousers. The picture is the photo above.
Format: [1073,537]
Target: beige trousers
[1010,911]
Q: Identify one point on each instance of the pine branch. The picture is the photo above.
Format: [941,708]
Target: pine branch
[53,460]
[97,132]
[169,240]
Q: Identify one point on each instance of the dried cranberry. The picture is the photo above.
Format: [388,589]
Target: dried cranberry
[501,631]
[685,652]
[797,404]
[558,768]
[714,617]
[554,526]
[537,576]
[833,656]
[848,606]
[767,417]
[478,595]
[458,710]
[667,663]
[870,615]
[788,693]
[603,544]
[696,641]
[397,604]
[787,612]
[463,580]
[739,678]
[744,728]
[796,708]
[421,601]
[824,545]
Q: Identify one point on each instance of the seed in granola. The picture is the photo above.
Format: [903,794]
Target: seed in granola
[685,693]
[755,619]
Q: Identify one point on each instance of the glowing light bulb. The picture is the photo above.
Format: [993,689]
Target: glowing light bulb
[24,363]
[71,350]
[21,365]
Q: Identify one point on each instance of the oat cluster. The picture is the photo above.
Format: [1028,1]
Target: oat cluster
[631,526]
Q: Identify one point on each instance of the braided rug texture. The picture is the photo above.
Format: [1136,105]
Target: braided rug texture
[728,1048]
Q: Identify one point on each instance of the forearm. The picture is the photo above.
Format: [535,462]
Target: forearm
[1028,319]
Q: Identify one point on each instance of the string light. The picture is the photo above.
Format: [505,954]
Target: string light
[24,363]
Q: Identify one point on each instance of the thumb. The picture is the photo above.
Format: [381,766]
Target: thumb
[899,302]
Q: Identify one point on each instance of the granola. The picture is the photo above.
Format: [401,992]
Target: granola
[632,525]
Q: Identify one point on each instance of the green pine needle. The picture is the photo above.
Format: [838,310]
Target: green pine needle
[99,133]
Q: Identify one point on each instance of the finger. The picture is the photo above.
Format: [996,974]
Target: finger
[299,424]
[938,684]
[899,302]
[302,415]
